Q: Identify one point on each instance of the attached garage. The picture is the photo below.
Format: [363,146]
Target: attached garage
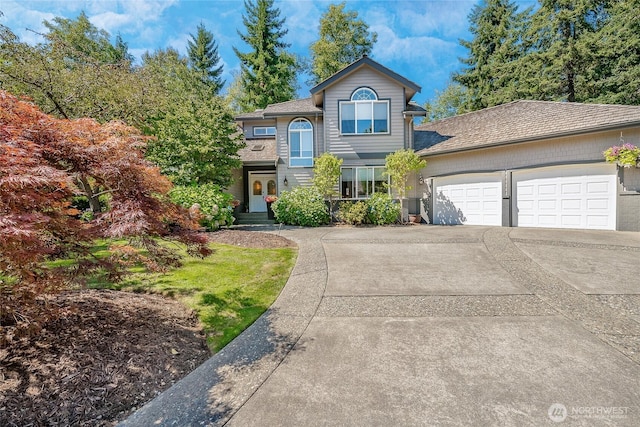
[472,199]
[570,196]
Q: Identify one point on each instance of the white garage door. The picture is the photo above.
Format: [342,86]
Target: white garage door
[572,196]
[474,199]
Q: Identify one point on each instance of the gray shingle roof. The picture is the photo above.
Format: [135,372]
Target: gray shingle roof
[295,107]
[259,150]
[520,121]
[251,115]
[415,109]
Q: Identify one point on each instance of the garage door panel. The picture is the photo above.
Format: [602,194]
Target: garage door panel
[597,187]
[570,221]
[473,192]
[547,189]
[474,199]
[570,189]
[572,196]
[546,204]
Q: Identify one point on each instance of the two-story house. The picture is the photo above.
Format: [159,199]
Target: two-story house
[360,114]
[524,163]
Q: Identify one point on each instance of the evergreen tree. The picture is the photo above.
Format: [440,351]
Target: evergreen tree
[489,77]
[616,79]
[343,39]
[202,50]
[268,71]
[559,63]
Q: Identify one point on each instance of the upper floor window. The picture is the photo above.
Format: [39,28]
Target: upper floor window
[364,113]
[264,131]
[300,143]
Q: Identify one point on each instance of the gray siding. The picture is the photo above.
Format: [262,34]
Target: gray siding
[296,176]
[250,124]
[575,149]
[349,146]
[282,129]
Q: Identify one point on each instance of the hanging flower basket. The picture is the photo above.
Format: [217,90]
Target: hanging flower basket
[625,155]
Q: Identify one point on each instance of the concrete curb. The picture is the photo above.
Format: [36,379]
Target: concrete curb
[213,392]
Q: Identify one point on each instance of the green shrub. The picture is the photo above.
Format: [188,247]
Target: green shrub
[354,213]
[215,205]
[382,209]
[303,206]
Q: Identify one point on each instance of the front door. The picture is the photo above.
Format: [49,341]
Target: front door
[260,185]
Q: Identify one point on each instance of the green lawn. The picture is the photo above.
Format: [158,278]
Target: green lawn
[228,290]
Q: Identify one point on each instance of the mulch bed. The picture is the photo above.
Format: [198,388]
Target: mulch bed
[109,354]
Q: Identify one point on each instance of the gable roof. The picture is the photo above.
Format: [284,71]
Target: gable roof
[520,121]
[410,87]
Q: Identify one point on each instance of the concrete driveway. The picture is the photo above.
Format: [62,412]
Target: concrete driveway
[428,325]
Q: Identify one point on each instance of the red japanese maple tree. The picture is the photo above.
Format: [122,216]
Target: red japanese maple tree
[44,163]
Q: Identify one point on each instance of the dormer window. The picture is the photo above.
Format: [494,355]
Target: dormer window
[364,113]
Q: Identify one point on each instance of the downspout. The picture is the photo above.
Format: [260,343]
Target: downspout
[324,123]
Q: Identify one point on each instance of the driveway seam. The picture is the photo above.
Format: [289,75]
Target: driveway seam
[596,318]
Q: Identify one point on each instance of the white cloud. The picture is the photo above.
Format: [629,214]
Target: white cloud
[444,18]
[303,18]
[408,49]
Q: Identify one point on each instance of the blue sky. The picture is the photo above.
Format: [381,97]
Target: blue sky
[416,38]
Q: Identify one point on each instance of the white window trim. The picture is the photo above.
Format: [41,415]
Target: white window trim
[361,102]
[266,129]
[289,143]
[357,182]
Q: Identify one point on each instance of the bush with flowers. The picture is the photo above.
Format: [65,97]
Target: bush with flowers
[215,206]
[303,206]
[625,155]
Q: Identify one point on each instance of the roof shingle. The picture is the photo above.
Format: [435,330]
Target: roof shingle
[295,107]
[520,121]
[259,150]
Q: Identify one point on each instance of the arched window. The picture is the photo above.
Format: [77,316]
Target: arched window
[364,113]
[300,143]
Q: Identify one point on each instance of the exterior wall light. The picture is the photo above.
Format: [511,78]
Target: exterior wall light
[286,181]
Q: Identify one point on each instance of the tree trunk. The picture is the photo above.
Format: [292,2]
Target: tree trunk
[94,202]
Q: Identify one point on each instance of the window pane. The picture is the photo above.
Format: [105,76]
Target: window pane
[257,188]
[380,117]
[364,115]
[347,183]
[271,187]
[347,117]
[295,143]
[380,181]
[365,176]
[307,144]
[363,94]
